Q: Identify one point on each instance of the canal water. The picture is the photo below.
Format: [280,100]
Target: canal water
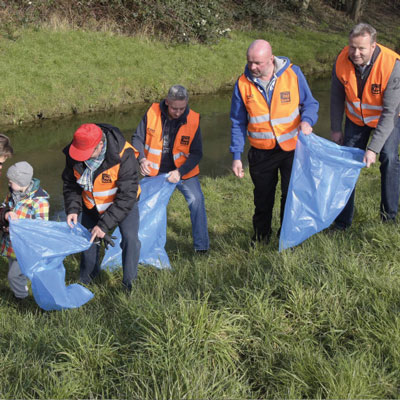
[41,144]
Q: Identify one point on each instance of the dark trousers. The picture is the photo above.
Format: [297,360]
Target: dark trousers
[358,136]
[264,166]
[130,245]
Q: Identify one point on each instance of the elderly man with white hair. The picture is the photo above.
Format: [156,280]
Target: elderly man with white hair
[168,139]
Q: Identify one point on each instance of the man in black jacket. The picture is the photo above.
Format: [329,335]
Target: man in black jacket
[101,182]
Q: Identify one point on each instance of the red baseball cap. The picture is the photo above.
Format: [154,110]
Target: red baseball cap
[86,138]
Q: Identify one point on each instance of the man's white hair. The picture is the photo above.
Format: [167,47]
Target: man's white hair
[178,92]
[363,29]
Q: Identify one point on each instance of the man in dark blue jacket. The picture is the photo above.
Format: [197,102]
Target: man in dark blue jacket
[168,140]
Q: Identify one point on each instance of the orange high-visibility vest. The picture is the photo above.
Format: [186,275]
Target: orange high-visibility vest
[154,143]
[368,109]
[104,186]
[280,122]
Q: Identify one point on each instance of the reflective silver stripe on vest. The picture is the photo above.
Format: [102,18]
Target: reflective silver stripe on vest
[91,201]
[356,104]
[178,155]
[151,150]
[103,207]
[154,166]
[259,119]
[351,110]
[369,119]
[261,135]
[369,107]
[366,120]
[285,120]
[287,136]
[105,193]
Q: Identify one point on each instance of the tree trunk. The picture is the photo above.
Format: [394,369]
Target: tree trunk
[305,4]
[354,9]
[357,11]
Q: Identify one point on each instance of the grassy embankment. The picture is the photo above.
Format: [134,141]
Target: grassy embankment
[50,67]
[49,73]
[319,322]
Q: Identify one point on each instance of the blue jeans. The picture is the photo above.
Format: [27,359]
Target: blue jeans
[130,245]
[357,136]
[193,194]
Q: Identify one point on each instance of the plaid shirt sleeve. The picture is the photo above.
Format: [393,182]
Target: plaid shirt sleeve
[35,209]
[41,208]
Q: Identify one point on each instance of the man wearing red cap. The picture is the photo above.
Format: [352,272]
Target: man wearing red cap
[101,182]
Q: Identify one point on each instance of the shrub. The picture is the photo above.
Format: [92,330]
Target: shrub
[177,20]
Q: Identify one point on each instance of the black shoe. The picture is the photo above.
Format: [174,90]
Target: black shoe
[19,301]
[263,239]
[201,251]
[387,220]
[127,288]
[337,228]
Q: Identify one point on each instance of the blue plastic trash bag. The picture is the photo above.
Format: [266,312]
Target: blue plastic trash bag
[153,202]
[323,177]
[40,247]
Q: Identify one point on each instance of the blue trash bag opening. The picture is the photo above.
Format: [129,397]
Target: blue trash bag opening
[40,247]
[323,177]
[154,197]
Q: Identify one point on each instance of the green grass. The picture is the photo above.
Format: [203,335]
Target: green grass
[47,73]
[321,321]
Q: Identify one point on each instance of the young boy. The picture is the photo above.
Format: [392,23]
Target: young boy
[25,200]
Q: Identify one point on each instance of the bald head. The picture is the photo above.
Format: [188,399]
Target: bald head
[260,46]
[260,59]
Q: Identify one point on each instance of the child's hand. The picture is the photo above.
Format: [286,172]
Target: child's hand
[11,215]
